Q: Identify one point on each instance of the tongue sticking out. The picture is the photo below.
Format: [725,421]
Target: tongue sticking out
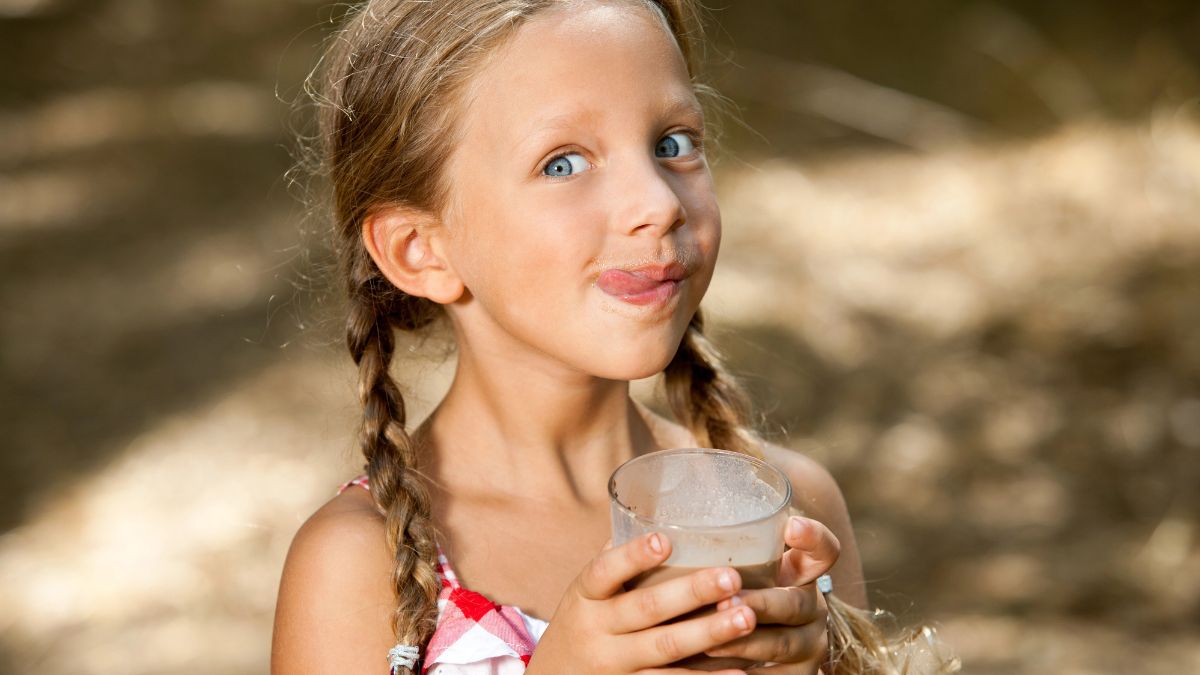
[619,282]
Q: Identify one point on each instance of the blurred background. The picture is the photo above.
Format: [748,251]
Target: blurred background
[961,268]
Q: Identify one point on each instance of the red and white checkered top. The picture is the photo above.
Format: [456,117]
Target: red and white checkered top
[474,636]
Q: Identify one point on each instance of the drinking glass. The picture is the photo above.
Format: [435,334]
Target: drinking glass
[718,508]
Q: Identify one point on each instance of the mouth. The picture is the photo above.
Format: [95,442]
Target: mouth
[646,285]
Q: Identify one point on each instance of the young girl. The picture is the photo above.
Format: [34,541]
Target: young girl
[533,173]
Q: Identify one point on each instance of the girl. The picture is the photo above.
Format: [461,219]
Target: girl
[533,173]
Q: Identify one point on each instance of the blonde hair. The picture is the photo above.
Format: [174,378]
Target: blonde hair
[390,83]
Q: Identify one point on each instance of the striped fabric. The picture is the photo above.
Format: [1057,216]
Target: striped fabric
[474,636]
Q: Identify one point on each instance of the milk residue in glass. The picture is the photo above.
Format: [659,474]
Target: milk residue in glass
[715,494]
[716,511]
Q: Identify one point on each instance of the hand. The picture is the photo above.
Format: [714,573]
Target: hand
[599,629]
[791,634]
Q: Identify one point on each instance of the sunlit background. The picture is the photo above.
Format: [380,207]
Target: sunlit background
[961,268]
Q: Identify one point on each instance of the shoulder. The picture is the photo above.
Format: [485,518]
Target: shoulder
[347,529]
[816,495]
[815,492]
[335,603]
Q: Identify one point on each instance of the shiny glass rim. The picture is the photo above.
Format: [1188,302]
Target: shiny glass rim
[771,468]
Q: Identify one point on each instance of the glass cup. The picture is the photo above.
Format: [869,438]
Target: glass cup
[718,508]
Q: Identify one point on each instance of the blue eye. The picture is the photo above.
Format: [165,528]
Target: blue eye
[564,165]
[677,144]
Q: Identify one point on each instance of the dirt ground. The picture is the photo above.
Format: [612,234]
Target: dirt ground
[961,268]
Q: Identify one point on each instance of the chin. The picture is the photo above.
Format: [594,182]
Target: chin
[635,362]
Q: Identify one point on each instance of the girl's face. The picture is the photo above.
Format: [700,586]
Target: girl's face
[583,221]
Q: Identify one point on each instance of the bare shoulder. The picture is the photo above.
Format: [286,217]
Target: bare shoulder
[815,492]
[335,601]
[816,495]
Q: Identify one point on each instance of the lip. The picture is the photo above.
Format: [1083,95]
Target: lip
[645,285]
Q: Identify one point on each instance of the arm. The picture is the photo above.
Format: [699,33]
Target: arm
[817,496]
[333,615]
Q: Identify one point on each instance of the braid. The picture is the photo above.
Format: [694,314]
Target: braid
[710,402]
[390,452]
[704,396]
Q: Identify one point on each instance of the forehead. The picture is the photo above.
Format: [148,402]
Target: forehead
[580,61]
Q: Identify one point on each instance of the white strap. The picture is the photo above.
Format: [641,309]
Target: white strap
[825,583]
[402,656]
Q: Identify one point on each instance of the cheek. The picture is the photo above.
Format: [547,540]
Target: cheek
[560,232]
[699,197]
[712,236]
[509,247]
[705,215]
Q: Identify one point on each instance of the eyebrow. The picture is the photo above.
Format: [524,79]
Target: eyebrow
[676,105]
[683,105]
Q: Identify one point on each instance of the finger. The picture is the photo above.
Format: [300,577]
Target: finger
[814,549]
[687,671]
[792,606]
[779,644]
[604,574]
[652,605]
[806,668]
[672,642]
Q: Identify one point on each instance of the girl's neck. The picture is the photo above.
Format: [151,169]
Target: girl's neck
[552,435]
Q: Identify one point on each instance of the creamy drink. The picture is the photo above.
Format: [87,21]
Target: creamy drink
[718,508]
[761,575]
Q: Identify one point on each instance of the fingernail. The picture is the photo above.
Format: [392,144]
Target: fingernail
[795,527]
[740,620]
[725,581]
[733,601]
[656,543]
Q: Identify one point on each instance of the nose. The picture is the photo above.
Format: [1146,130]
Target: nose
[650,203]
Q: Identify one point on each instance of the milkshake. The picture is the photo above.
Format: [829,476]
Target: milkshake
[718,508]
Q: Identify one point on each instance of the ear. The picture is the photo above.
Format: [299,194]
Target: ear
[408,246]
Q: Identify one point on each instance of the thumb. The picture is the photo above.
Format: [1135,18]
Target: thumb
[814,550]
